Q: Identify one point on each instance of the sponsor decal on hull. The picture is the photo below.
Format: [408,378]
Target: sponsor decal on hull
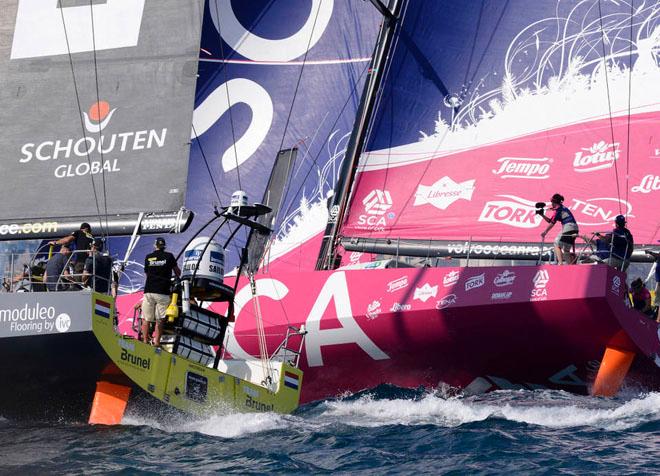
[475,282]
[523,168]
[446,301]
[450,279]
[397,307]
[443,193]
[501,295]
[505,278]
[426,292]
[373,310]
[397,284]
[540,281]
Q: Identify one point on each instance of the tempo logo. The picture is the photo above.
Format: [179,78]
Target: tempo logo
[40,28]
[377,202]
[523,168]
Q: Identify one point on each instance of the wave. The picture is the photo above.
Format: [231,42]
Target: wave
[381,408]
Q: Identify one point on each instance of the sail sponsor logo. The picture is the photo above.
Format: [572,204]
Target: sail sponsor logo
[376,204]
[28,228]
[505,278]
[513,211]
[31,318]
[373,309]
[475,282]
[601,155]
[443,193]
[97,119]
[398,307]
[540,281]
[501,296]
[397,284]
[38,30]
[650,183]
[446,301]
[426,292]
[599,211]
[134,360]
[523,168]
[450,279]
[616,285]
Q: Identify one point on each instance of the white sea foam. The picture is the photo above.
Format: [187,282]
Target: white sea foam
[547,410]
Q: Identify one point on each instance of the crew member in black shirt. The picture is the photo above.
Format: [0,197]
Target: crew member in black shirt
[82,240]
[158,266]
[100,267]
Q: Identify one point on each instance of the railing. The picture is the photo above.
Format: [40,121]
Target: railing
[24,272]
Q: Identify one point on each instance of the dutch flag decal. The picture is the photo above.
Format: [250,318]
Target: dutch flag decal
[291,380]
[102,308]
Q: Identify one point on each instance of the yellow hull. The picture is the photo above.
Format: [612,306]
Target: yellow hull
[185,384]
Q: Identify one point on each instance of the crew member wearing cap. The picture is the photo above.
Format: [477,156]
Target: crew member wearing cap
[82,239]
[99,266]
[641,298]
[158,266]
[622,243]
[656,257]
[565,240]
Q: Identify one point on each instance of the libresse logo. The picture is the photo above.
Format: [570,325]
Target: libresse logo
[475,282]
[39,31]
[443,193]
[514,211]
[523,168]
[650,183]
[377,202]
[599,156]
[599,211]
[426,292]
[96,119]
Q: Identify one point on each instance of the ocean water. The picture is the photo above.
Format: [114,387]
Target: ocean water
[384,431]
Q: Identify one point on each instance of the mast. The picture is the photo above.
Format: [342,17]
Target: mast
[339,200]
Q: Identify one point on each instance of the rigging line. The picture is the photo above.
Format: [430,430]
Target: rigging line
[630,52]
[609,103]
[321,149]
[302,68]
[474,44]
[98,108]
[229,108]
[201,150]
[82,123]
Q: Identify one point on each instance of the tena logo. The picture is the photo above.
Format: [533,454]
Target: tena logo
[397,284]
[599,211]
[649,183]
[446,301]
[377,202]
[515,211]
[540,280]
[450,278]
[39,32]
[599,156]
[475,282]
[505,278]
[426,292]
[443,193]
[373,309]
[523,168]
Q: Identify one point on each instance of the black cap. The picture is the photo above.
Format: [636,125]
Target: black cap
[98,244]
[85,225]
[160,243]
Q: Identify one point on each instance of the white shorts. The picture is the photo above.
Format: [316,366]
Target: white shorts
[154,306]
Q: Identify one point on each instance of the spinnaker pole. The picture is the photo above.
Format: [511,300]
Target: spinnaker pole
[339,200]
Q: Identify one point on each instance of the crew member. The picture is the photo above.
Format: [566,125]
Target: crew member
[622,244]
[99,266]
[656,256]
[82,239]
[641,298]
[565,241]
[57,267]
[158,266]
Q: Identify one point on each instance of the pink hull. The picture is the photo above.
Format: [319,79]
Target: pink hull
[480,328]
